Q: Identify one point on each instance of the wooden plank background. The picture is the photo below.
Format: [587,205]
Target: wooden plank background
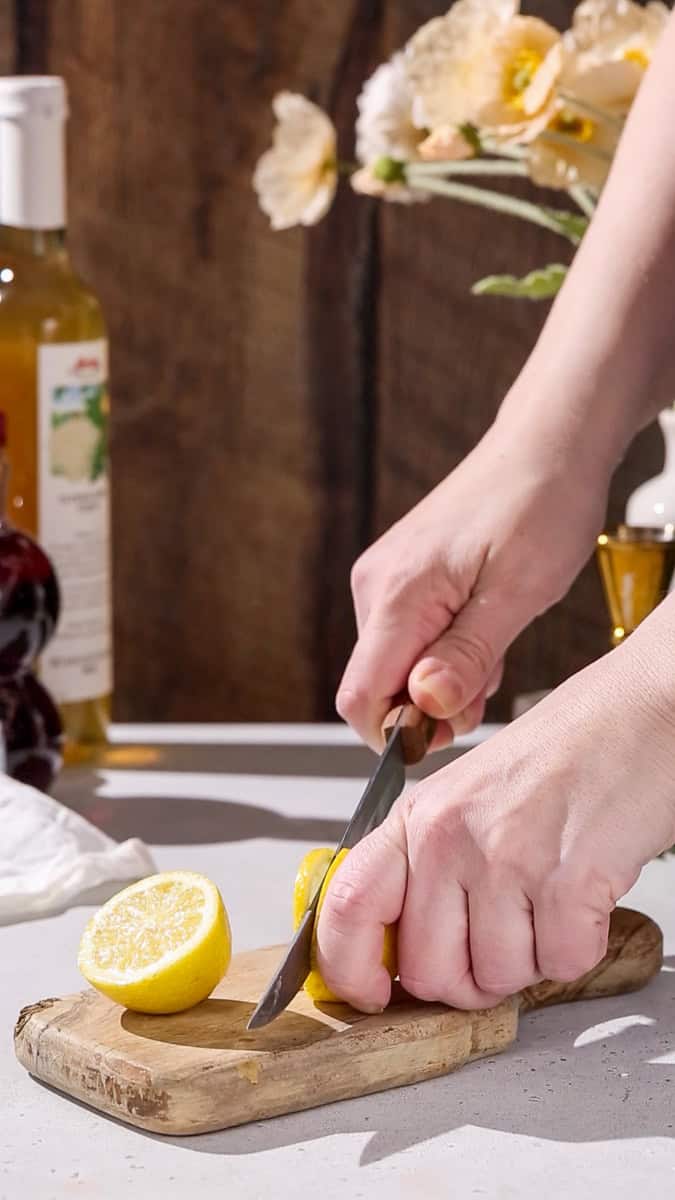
[279,399]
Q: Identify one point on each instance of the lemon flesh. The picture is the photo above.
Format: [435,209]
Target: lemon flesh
[308,879]
[160,945]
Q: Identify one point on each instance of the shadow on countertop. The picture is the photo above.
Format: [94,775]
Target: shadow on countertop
[544,1086]
[326,761]
[189,821]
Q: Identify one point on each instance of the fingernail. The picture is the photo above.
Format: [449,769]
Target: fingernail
[440,691]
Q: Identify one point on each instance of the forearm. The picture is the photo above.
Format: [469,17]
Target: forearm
[646,671]
[605,361]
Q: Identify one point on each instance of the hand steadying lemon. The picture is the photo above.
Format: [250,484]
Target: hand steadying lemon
[307,880]
[162,944]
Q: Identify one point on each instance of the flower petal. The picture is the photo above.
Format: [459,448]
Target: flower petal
[384,127]
[366,183]
[606,30]
[446,144]
[296,179]
[443,57]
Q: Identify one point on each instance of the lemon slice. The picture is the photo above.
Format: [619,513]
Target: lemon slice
[310,873]
[160,945]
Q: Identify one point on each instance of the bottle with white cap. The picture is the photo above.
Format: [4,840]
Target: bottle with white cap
[54,387]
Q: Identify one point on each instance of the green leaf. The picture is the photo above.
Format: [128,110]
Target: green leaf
[540,284]
[570,225]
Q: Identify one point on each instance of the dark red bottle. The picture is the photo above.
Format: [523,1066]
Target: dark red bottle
[29,610]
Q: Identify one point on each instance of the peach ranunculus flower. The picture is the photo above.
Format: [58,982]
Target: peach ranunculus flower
[296,180]
[484,64]
[615,31]
[574,150]
[605,55]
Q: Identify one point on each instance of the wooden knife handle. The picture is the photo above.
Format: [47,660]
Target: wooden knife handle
[417,730]
[634,955]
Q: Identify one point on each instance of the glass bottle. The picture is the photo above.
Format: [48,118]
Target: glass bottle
[29,610]
[54,388]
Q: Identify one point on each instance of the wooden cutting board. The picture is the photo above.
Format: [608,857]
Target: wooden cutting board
[200,1070]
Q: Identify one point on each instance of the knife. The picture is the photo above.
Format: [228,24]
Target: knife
[408,733]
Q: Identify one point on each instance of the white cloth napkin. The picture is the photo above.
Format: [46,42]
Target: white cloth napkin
[51,857]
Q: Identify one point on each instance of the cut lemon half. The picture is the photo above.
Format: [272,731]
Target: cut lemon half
[160,945]
[308,879]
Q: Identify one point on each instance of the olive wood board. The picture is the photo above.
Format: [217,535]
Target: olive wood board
[200,1070]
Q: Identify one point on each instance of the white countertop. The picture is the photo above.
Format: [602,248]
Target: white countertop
[582,1106]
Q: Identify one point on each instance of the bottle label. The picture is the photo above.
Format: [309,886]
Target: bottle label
[74,515]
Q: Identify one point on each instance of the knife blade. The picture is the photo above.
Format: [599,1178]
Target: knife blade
[409,732]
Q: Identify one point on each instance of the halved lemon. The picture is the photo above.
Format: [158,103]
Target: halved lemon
[160,945]
[308,879]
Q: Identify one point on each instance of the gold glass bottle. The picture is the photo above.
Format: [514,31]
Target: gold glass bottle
[54,388]
[636,568]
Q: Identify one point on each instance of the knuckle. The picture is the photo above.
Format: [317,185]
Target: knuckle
[577,900]
[360,574]
[346,902]
[504,854]
[496,980]
[424,986]
[351,701]
[565,965]
[339,982]
[431,835]
[475,650]
[577,889]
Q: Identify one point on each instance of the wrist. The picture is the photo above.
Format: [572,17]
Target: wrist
[588,390]
[550,419]
[647,661]
[641,679]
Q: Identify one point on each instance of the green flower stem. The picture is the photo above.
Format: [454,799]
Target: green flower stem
[563,139]
[503,151]
[599,113]
[472,166]
[496,201]
[345,168]
[583,199]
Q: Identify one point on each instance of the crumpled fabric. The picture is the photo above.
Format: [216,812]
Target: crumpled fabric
[51,858]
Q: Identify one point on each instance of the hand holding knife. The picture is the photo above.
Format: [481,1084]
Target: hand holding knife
[408,734]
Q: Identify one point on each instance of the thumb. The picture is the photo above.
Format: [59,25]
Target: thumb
[459,665]
[366,894]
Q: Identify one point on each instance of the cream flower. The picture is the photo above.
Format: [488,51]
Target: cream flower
[296,179]
[605,55]
[384,127]
[385,131]
[615,31]
[604,59]
[367,183]
[485,64]
[574,149]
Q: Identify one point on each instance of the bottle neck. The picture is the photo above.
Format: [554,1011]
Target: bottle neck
[32,173]
[667,423]
[32,243]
